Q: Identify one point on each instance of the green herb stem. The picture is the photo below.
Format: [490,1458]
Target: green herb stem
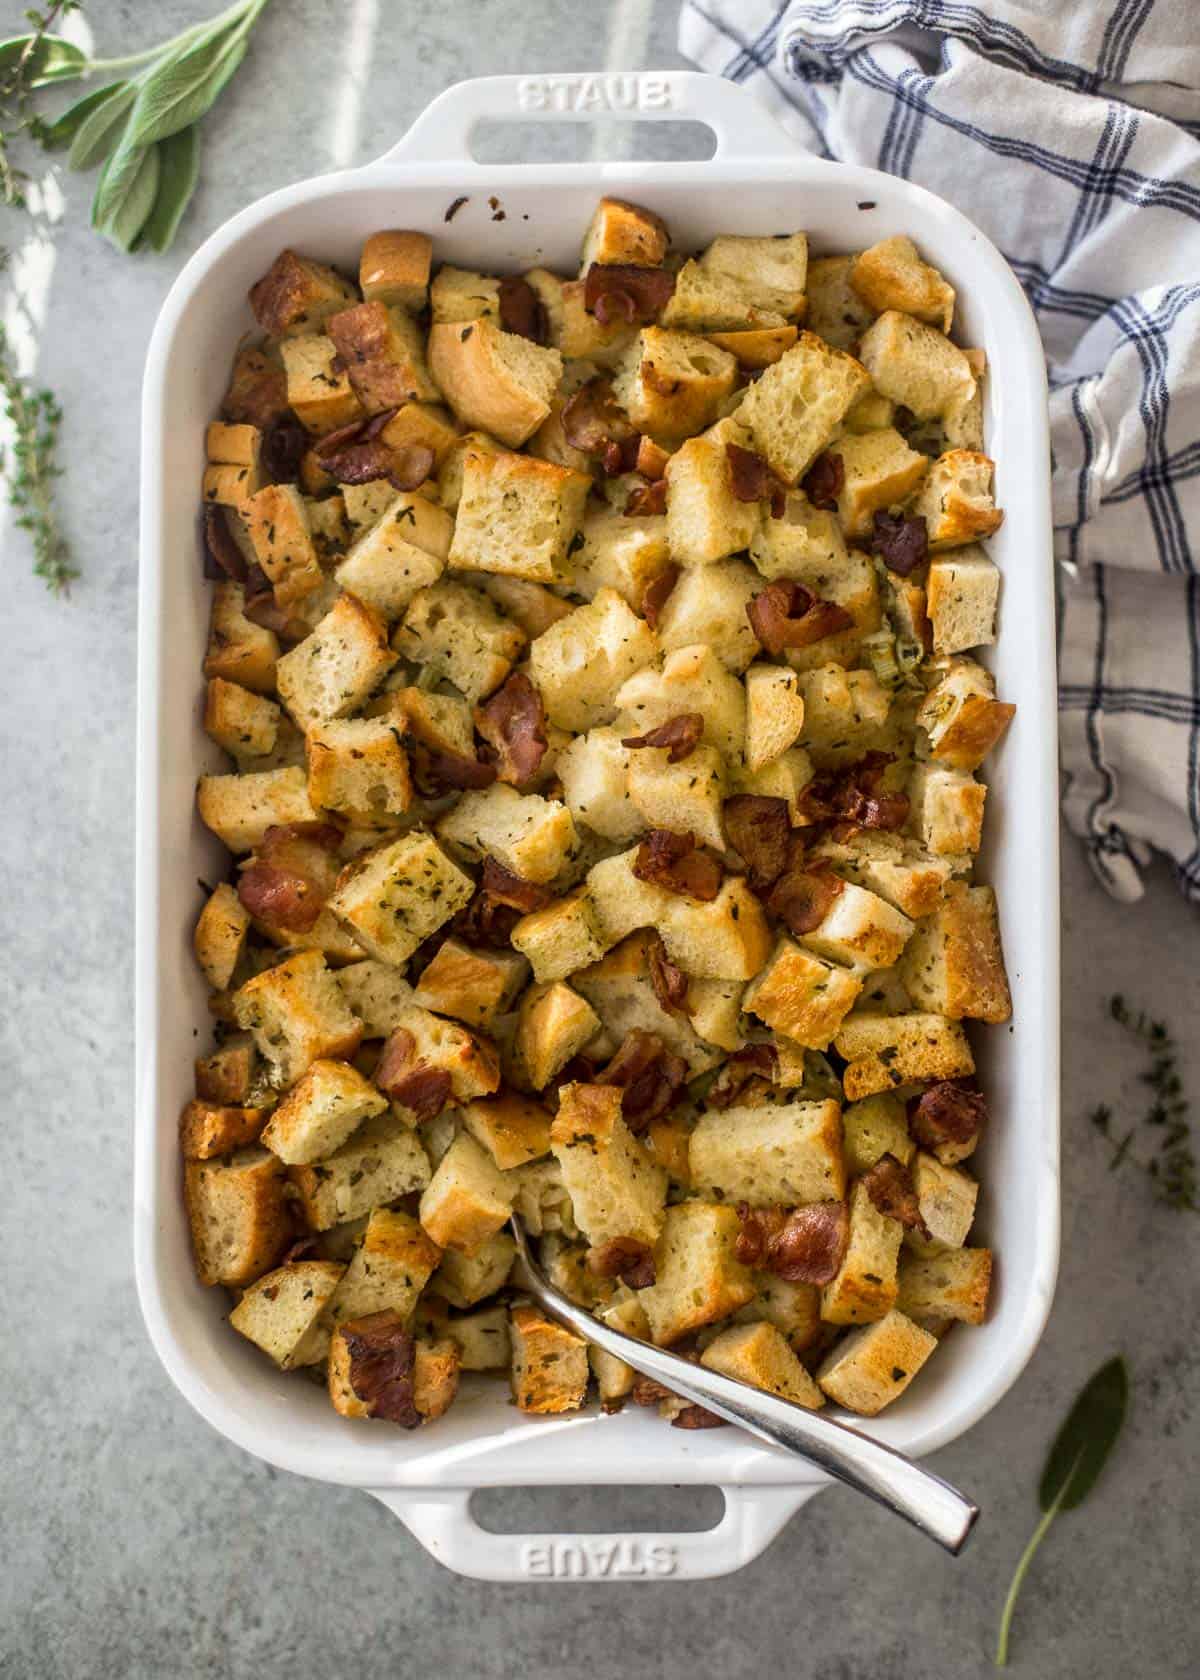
[1010,1602]
[130,61]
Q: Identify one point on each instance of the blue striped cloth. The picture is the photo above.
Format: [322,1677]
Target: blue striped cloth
[1070,132]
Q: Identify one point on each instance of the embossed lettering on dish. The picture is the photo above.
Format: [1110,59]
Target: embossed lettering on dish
[597,1560]
[595,93]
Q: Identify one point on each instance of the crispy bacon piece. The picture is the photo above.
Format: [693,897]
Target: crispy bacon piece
[513,723]
[673,861]
[680,735]
[745,1068]
[500,901]
[625,1258]
[580,1070]
[648,1391]
[624,291]
[222,556]
[889,1184]
[751,479]
[901,541]
[291,875]
[304,1248]
[760,831]
[382,1358]
[356,454]
[650,1078]
[411,466]
[787,615]
[646,500]
[406,1080]
[803,897]
[596,424]
[522,310]
[948,1112]
[697,1417]
[355,431]
[284,445]
[824,481]
[656,593]
[670,983]
[505,887]
[802,1245]
[437,773]
[360,463]
[855,797]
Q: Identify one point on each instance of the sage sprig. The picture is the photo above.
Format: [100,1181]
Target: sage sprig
[1078,1455]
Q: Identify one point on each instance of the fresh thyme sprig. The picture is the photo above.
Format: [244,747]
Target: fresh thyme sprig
[26,64]
[1165,1124]
[30,469]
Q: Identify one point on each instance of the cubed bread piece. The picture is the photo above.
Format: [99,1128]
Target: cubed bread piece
[845,713]
[381,1162]
[511,1127]
[884,993]
[220,935]
[472,985]
[691,679]
[239,650]
[962,592]
[378,994]
[384,352]
[954,964]
[232,447]
[884,1051]
[793,409]
[785,1153]
[207,1129]
[278,523]
[615,1188]
[705,520]
[581,336]
[623,902]
[855,588]
[861,930]
[482,1337]
[804,542]
[450,470]
[279,1312]
[946,1197]
[800,996]
[389,1269]
[428,424]
[594,772]
[614,1378]
[835,311]
[950,1285]
[456,632]
[580,663]
[531,836]
[394,267]
[870,413]
[319,391]
[892,865]
[238,1216]
[620,989]
[785,777]
[359,768]
[725,939]
[714,1007]
[774,713]
[698,1276]
[298,1015]
[625,554]
[332,671]
[687,796]
[879,471]
[367,503]
[708,606]
[875,1127]
[463,1279]
[915,365]
[864,1287]
[393,898]
[620,232]
[672,384]
[519,516]
[946,810]
[793,1308]
[319,1113]
[402,552]
[891,275]
[759,1355]
[257,393]
[240,809]
[873,1366]
[493,379]
[955,500]
[435,1377]
[296,294]
[757,347]
[433,1372]
[962,423]
[471,1061]
[704,301]
[530,605]
[554,1024]
[549,1364]
[562,937]
[462,294]
[771,271]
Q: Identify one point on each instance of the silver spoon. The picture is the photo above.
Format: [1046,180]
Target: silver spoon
[880,1472]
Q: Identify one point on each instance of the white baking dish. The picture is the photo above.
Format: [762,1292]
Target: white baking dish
[756,183]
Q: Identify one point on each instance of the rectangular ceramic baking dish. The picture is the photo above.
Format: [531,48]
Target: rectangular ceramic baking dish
[756,183]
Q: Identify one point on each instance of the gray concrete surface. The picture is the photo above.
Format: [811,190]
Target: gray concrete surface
[137,1545]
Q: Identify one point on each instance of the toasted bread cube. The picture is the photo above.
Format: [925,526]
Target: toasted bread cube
[279,1311]
[619,553]
[615,1188]
[884,993]
[394,268]
[774,713]
[530,605]
[518,515]
[482,1337]
[946,1197]
[687,796]
[513,1129]
[952,1285]
[531,836]
[471,1062]
[461,294]
[672,384]
[436,1368]
[844,714]
[955,500]
[963,590]
[725,939]
[962,423]
[562,937]
[493,379]
[257,394]
[421,423]
[704,301]
[238,1216]
[889,1050]
[698,1276]
[389,1268]
[467,1199]
[893,866]
[785,777]
[802,997]
[239,446]
[691,679]
[623,902]
[771,272]
[873,1366]
[805,543]
[879,470]
[395,897]
[473,986]
[240,809]
[381,1162]
[579,664]
[759,1355]
[621,991]
[705,521]
[278,522]
[384,352]
[320,1112]
[228,1074]
[755,347]
[793,409]
[459,634]
[875,1127]
[614,1378]
[402,552]
[220,935]
[714,1008]
[207,1129]
[785,1153]
[891,275]
[554,1024]
[297,1015]
[594,772]
[915,365]
[296,294]
[947,810]
[450,469]
[793,1308]
[954,964]
[860,930]
[377,993]
[855,588]
[620,232]
[239,650]
[332,671]
[319,392]
[549,1364]
[835,311]
[358,767]
[708,606]
[865,1286]
[871,413]
[464,1279]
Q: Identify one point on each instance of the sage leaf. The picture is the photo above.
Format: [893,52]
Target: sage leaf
[126,215]
[180,92]
[179,166]
[66,129]
[101,130]
[52,60]
[1077,1456]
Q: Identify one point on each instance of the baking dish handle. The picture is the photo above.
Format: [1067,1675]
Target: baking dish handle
[442,133]
[442,1520]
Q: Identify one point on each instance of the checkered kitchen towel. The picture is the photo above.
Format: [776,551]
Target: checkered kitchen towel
[1069,130]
